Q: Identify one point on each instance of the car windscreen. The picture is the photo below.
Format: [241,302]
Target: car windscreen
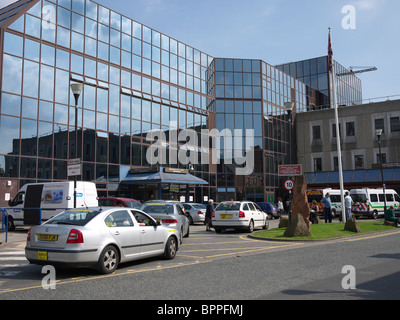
[74,217]
[228,206]
[133,204]
[158,208]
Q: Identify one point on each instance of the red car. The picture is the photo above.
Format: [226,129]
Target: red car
[119,202]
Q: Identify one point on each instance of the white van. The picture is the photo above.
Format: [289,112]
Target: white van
[239,215]
[370,202]
[336,200]
[38,202]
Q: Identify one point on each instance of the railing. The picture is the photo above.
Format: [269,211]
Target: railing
[4,215]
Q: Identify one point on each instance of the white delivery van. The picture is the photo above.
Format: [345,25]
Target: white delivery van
[37,202]
[370,202]
[336,200]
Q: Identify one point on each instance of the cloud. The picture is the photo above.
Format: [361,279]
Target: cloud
[368,4]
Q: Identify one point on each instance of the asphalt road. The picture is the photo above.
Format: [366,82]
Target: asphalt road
[227,266]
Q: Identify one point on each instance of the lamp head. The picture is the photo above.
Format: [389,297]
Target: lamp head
[378,132]
[76,88]
[289,106]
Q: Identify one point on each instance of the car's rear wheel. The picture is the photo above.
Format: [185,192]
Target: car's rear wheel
[170,248]
[108,261]
[250,228]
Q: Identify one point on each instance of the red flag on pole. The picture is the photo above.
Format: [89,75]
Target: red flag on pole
[330,52]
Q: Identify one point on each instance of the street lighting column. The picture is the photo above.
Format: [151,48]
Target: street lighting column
[379,134]
[289,108]
[76,90]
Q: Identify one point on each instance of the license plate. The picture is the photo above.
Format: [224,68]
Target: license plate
[42,255]
[47,237]
[226,216]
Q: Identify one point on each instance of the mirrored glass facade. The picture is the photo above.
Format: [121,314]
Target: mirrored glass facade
[314,73]
[135,80]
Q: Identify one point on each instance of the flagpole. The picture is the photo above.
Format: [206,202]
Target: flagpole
[339,152]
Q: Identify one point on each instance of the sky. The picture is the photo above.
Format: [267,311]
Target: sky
[280,31]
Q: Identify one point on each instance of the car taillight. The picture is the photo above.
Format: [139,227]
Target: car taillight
[213,214]
[28,237]
[165,221]
[241,214]
[200,212]
[75,236]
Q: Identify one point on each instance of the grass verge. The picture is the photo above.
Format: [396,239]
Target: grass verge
[325,231]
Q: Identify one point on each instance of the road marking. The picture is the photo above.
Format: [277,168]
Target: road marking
[373,236]
[247,251]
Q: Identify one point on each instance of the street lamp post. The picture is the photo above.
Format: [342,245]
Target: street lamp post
[76,90]
[378,133]
[289,108]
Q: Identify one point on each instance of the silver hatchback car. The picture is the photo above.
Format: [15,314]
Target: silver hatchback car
[100,238]
[169,213]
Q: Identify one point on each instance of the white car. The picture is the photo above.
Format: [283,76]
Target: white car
[239,215]
[100,238]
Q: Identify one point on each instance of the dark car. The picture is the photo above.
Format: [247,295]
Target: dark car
[119,202]
[270,209]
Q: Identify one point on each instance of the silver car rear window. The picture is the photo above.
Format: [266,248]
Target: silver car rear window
[74,217]
[228,206]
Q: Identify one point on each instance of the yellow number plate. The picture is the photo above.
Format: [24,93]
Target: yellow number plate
[226,216]
[47,237]
[42,255]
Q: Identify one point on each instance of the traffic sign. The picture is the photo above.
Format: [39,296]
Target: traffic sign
[74,170]
[289,185]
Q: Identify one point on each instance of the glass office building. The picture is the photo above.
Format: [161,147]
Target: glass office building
[135,80]
[251,94]
[314,73]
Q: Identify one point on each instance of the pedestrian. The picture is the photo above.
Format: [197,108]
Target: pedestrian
[209,212]
[389,216]
[327,207]
[314,212]
[280,206]
[348,203]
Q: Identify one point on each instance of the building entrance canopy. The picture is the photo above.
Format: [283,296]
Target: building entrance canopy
[164,175]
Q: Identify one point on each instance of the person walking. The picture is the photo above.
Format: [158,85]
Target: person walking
[327,207]
[280,206]
[209,212]
[348,203]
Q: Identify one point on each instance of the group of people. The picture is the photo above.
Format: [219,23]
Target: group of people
[348,203]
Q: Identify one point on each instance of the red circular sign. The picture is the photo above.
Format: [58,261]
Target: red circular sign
[289,185]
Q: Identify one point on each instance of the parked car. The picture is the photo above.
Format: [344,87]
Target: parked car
[270,209]
[100,238]
[169,214]
[119,202]
[239,215]
[196,212]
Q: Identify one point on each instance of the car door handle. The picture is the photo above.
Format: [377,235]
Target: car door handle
[142,231]
[116,233]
